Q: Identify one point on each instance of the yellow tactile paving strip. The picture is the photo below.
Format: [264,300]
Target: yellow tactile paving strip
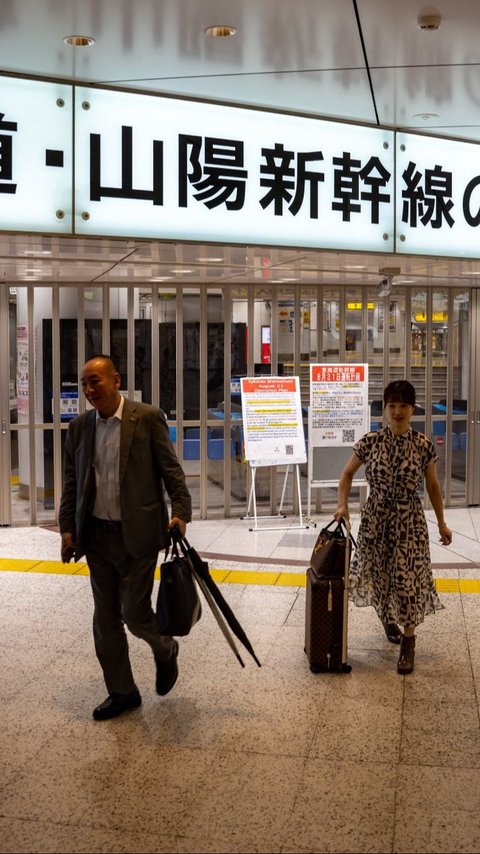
[226,576]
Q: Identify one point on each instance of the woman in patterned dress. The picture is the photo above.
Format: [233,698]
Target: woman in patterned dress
[391,567]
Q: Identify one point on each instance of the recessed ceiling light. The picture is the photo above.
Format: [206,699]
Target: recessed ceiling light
[208,260]
[161,279]
[183,272]
[354,266]
[221,31]
[426,116]
[79,41]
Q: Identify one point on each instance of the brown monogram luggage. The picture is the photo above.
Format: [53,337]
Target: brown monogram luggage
[326,616]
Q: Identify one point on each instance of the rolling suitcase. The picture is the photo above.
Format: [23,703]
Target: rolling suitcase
[326,614]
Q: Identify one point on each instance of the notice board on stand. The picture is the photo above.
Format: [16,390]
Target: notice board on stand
[272,421]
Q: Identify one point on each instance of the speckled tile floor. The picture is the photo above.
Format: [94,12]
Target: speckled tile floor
[274,759]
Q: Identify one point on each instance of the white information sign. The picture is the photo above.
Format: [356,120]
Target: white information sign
[35,155]
[272,421]
[156,167]
[438,196]
[339,413]
[173,169]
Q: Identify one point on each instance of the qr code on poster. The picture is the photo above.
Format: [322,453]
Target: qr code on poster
[288,450]
[348,437]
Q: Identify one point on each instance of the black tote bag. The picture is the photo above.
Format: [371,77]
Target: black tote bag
[178,602]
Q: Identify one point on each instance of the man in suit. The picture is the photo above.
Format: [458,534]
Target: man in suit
[118,459]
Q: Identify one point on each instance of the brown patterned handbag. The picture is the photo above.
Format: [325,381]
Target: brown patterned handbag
[328,556]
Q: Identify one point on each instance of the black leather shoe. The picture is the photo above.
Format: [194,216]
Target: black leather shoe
[392,632]
[116,704]
[167,672]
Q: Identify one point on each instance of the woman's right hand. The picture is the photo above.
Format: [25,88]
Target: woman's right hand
[341,512]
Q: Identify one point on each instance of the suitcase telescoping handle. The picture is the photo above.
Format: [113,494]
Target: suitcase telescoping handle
[346,668]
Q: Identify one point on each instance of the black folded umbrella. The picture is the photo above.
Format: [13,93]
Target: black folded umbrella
[216,613]
[201,569]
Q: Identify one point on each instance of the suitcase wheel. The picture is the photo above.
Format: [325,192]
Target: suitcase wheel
[346,668]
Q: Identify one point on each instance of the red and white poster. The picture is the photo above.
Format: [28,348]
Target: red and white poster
[339,413]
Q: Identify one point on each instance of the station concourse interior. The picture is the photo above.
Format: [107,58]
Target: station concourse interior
[276,759]
[270,759]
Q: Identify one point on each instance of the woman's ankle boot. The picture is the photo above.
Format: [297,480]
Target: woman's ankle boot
[407,655]
[392,632]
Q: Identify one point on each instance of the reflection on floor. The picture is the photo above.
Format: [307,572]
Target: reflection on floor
[274,759]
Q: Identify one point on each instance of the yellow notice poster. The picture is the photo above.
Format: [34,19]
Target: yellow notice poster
[272,421]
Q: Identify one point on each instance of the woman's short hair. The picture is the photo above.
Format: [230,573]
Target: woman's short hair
[399,391]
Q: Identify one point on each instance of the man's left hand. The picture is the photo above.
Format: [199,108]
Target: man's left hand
[180,523]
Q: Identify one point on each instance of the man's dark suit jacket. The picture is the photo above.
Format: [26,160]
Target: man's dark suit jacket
[148,463]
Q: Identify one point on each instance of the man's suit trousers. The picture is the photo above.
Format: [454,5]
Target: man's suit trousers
[122,593]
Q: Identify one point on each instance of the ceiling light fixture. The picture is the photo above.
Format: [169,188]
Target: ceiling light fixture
[429,23]
[221,31]
[426,116]
[79,41]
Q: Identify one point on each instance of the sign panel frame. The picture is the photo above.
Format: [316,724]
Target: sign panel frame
[179,169]
[437,196]
[170,168]
[36,156]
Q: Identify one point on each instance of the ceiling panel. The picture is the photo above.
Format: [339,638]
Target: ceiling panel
[25,258]
[438,100]
[393,38]
[166,38]
[333,93]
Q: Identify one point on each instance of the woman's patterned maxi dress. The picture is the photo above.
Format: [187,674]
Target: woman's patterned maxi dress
[391,567]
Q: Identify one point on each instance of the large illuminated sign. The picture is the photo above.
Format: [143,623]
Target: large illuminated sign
[437,196]
[158,167]
[35,156]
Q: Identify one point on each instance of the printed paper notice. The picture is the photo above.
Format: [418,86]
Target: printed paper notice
[272,421]
[339,413]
